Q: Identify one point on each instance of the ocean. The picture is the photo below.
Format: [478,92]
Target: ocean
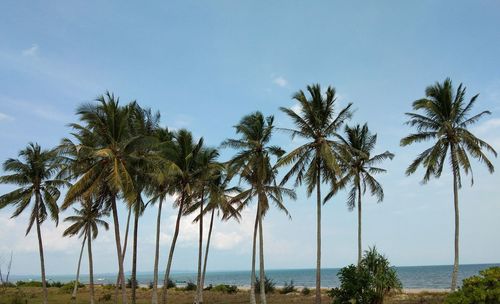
[427,277]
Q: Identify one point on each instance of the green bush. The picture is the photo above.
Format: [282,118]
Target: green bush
[481,289]
[171,284]
[29,284]
[129,283]
[226,288]
[209,287]
[305,291]
[55,284]
[368,283]
[288,288]
[190,286]
[68,287]
[105,297]
[269,285]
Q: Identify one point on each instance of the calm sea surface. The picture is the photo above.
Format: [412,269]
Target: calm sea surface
[411,276]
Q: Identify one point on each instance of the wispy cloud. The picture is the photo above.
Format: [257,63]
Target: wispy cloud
[280,81]
[39,109]
[5,117]
[31,51]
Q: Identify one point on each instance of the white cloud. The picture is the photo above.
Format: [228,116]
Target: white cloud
[280,81]
[40,109]
[489,125]
[5,117]
[31,51]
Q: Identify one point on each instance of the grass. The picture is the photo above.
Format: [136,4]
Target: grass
[33,295]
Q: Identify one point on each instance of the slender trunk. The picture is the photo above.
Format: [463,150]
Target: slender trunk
[199,288]
[318,238]
[118,281]
[206,248]
[262,273]
[119,250]
[40,248]
[91,266]
[134,249]
[252,279]
[455,262]
[359,225]
[75,288]
[172,248]
[154,299]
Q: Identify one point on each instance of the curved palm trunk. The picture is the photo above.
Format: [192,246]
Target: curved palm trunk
[134,253]
[455,262]
[75,288]
[119,250]
[40,249]
[360,253]
[262,274]
[206,249]
[154,297]
[199,288]
[118,277]
[91,266]
[318,239]
[252,278]
[171,253]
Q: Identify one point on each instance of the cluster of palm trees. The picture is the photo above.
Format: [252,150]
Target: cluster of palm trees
[120,153]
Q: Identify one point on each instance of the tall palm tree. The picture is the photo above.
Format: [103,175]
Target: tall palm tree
[183,152]
[359,166]
[85,223]
[444,118]
[253,164]
[316,121]
[105,141]
[34,173]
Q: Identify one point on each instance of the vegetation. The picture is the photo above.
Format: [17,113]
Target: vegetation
[368,283]
[445,118]
[120,154]
[288,288]
[483,288]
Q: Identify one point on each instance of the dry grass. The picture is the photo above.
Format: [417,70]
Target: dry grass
[33,295]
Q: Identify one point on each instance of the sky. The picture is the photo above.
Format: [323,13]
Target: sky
[206,64]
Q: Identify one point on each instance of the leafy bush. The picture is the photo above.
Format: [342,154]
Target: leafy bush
[288,288]
[105,297]
[129,283]
[368,283]
[269,285]
[29,284]
[55,284]
[305,291]
[484,289]
[109,286]
[150,285]
[209,287]
[190,286]
[19,297]
[171,284]
[226,288]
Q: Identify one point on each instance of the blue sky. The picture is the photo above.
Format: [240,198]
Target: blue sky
[206,64]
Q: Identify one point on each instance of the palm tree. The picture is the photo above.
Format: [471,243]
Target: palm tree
[34,173]
[253,164]
[85,223]
[317,122]
[445,119]
[106,143]
[183,153]
[359,166]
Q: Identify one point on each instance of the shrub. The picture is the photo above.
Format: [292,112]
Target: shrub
[109,286]
[29,284]
[105,297]
[269,285]
[288,288]
[190,286]
[209,287]
[171,284]
[305,291]
[484,289]
[19,297]
[150,285]
[226,288]
[129,283]
[368,283]
[55,284]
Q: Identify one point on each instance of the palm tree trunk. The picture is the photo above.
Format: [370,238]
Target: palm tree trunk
[40,249]
[359,225]
[206,249]
[75,288]
[172,248]
[455,203]
[118,277]
[252,279]
[91,266]
[119,250]
[199,288]
[134,250]
[318,238]
[154,299]
[262,274]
